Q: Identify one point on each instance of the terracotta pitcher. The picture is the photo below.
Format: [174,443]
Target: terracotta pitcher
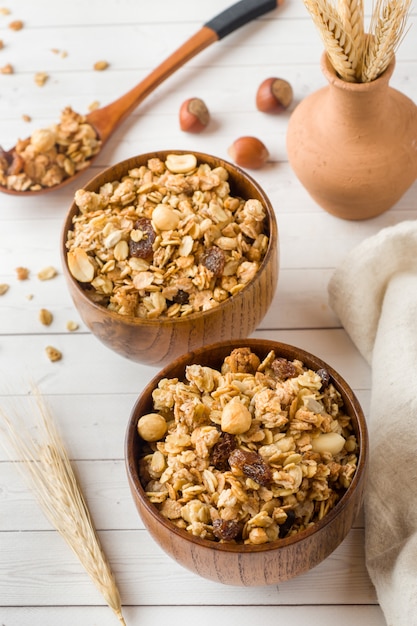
[354,145]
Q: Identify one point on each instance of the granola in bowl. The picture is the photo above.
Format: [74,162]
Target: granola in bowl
[166,240]
[248,452]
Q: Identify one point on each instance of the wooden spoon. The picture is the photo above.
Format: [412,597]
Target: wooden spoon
[106,119]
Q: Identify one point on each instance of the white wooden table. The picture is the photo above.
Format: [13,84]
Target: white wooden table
[91,390]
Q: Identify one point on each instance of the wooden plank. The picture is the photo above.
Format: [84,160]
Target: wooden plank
[38,569]
[203,615]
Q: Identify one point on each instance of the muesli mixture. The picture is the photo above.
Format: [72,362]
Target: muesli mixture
[250,453]
[166,240]
[49,155]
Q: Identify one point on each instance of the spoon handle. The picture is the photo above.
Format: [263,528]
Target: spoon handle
[107,118]
[240,14]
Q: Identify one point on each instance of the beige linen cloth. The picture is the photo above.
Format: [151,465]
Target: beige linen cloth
[374,294]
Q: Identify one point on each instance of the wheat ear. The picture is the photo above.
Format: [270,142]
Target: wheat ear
[386,31]
[337,41]
[47,469]
[351,13]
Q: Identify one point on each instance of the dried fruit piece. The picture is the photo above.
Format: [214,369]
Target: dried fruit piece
[283,368]
[221,451]
[226,530]
[285,528]
[141,239]
[252,465]
[181,297]
[214,260]
[325,377]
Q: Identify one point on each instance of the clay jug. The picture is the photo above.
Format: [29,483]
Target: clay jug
[354,145]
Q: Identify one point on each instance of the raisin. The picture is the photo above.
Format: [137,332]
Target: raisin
[226,530]
[143,249]
[285,528]
[221,451]
[214,260]
[325,378]
[181,297]
[283,368]
[252,465]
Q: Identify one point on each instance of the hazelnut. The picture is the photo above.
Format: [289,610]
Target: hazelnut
[274,95]
[249,152]
[194,115]
[164,218]
[152,427]
[236,417]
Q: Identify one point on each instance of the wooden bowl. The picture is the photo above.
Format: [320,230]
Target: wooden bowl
[158,341]
[242,564]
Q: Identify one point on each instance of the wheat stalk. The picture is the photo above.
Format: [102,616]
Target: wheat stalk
[47,469]
[352,17]
[355,55]
[386,31]
[337,40]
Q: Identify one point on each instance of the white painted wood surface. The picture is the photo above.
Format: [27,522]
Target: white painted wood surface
[91,391]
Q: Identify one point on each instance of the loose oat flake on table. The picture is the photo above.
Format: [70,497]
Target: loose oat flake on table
[223,477]
[167,240]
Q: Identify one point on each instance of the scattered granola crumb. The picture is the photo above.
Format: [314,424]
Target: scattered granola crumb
[47,273]
[41,78]
[22,273]
[99,66]
[7,69]
[62,53]
[16,25]
[30,296]
[1,44]
[45,317]
[26,118]
[94,105]
[71,325]
[53,354]
[3,288]
[4,11]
